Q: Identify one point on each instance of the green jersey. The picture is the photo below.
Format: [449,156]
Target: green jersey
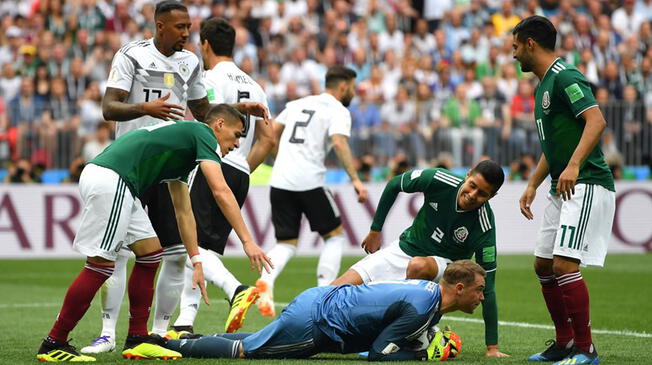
[561,96]
[162,152]
[440,228]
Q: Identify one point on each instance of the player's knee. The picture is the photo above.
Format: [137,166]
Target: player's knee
[563,266]
[424,268]
[543,267]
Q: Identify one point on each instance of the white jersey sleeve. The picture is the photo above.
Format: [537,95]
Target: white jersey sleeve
[122,72]
[305,141]
[226,83]
[139,68]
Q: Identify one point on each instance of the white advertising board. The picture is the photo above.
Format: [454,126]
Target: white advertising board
[39,221]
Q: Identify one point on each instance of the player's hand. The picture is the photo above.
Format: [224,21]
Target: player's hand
[566,182]
[493,351]
[361,190]
[160,109]
[526,201]
[257,257]
[371,243]
[198,279]
[253,108]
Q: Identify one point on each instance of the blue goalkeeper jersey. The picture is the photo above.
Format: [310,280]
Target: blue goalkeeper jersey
[376,315]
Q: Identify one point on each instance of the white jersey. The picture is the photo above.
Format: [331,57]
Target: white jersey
[147,74]
[309,123]
[226,83]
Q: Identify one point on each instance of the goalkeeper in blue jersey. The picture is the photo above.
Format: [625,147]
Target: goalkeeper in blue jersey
[385,318]
[455,222]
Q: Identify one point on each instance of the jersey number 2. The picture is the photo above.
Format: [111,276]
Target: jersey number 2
[293,137]
[245,128]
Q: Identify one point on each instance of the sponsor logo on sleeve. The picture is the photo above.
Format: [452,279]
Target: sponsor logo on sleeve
[574,93]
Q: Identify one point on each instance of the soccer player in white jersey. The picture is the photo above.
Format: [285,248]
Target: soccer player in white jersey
[225,83]
[307,128]
[152,81]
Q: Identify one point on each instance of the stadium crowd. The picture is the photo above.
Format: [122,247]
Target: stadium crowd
[436,85]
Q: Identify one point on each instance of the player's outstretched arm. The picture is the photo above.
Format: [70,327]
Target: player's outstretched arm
[343,151]
[199,108]
[115,108]
[266,141]
[530,192]
[188,231]
[229,207]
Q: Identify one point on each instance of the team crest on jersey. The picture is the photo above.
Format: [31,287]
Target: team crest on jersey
[460,234]
[168,80]
[545,103]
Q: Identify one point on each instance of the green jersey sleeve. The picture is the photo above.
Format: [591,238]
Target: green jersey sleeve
[574,89]
[207,146]
[417,180]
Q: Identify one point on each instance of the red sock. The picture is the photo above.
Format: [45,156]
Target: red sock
[554,298]
[78,299]
[576,297]
[141,291]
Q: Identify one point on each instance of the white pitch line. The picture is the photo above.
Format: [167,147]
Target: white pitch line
[535,325]
[452,318]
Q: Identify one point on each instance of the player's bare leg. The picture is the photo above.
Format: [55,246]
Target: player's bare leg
[330,257]
[280,254]
[424,268]
[349,277]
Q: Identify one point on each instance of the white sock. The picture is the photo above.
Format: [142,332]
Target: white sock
[330,259]
[280,255]
[217,274]
[112,293]
[190,301]
[168,290]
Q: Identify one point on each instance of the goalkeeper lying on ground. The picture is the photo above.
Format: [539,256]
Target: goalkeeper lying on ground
[388,319]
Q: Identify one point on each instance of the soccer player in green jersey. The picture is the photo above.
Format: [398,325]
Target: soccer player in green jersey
[577,221]
[113,216]
[454,223]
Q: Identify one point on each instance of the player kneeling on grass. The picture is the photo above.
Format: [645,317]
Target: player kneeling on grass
[388,319]
[113,216]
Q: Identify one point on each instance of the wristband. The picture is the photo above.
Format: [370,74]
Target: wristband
[195,259]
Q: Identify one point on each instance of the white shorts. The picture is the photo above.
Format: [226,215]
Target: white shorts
[390,263]
[111,217]
[579,228]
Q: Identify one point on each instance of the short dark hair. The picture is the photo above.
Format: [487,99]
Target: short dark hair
[225,111]
[167,6]
[337,74]
[462,271]
[538,28]
[492,172]
[219,34]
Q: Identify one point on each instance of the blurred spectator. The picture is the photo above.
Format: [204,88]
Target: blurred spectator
[401,114]
[21,172]
[275,89]
[98,142]
[460,116]
[25,112]
[365,119]
[299,70]
[625,20]
[524,135]
[76,80]
[495,117]
[392,38]
[9,82]
[434,11]
[633,118]
[520,170]
[90,111]
[611,80]
[504,20]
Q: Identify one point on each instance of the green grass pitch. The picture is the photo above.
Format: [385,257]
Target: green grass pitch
[621,297]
